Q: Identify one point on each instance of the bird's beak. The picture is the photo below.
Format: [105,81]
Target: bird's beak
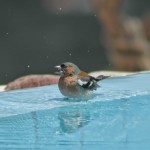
[58,67]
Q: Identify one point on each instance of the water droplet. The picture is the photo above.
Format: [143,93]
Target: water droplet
[95,15]
[88,51]
[28,66]
[6,33]
[68,51]
[60,9]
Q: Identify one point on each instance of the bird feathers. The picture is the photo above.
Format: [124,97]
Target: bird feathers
[88,82]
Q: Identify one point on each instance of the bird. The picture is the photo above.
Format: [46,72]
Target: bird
[75,83]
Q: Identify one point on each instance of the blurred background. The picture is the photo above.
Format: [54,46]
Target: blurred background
[36,35]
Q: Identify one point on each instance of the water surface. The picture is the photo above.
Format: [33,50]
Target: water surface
[117,117]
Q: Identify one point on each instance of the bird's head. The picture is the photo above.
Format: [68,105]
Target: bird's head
[68,69]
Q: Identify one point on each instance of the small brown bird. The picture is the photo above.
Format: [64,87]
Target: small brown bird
[75,83]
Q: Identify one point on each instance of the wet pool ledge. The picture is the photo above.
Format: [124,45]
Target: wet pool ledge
[97,73]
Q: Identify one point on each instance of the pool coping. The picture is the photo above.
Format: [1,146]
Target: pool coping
[97,73]
[2,88]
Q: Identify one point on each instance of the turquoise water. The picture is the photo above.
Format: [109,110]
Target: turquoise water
[116,118]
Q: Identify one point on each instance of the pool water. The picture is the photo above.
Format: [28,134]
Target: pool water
[116,118]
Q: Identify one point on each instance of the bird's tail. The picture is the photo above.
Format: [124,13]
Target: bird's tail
[101,77]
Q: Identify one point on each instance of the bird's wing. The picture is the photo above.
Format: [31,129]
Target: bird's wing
[88,82]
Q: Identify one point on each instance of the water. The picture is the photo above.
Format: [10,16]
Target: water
[117,117]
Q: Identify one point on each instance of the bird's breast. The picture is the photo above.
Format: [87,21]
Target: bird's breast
[69,87]
[68,83]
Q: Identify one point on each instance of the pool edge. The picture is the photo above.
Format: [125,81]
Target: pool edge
[2,88]
[97,73]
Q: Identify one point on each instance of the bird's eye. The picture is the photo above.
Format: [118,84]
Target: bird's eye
[63,66]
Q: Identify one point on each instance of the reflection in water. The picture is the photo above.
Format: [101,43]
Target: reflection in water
[35,127]
[72,120]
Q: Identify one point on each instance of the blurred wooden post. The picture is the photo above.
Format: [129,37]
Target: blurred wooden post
[146,23]
[128,46]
